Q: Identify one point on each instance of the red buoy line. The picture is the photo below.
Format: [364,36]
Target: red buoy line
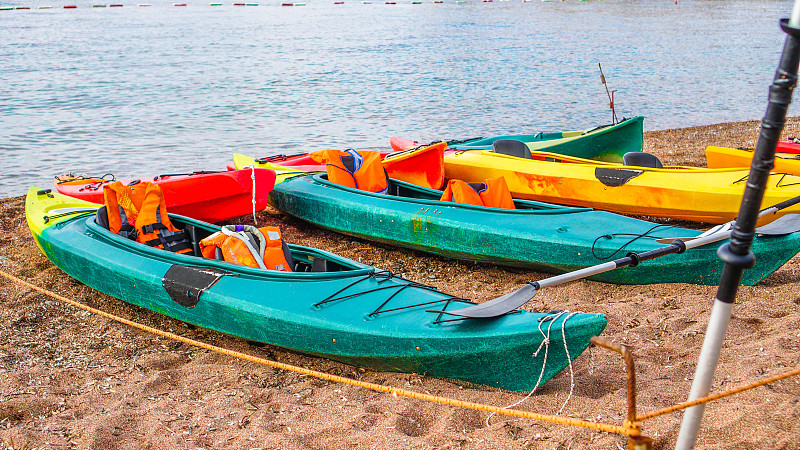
[335,2]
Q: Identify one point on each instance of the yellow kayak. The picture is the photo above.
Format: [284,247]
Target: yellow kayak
[722,157]
[281,173]
[679,192]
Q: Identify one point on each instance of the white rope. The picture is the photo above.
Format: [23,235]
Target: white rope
[571,372]
[229,230]
[546,343]
[253,177]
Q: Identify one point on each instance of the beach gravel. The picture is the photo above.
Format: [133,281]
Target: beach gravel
[71,379]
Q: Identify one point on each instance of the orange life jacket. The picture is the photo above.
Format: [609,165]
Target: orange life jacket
[247,246]
[139,212]
[493,193]
[361,170]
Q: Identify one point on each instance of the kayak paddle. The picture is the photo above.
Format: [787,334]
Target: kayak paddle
[507,303]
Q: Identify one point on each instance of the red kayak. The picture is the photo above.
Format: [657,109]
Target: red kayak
[790,146]
[399,144]
[206,196]
[423,166]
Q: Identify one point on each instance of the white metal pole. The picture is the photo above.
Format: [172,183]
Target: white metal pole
[723,303]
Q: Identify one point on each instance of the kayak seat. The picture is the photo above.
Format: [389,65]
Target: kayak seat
[102,217]
[641,159]
[511,147]
[191,232]
[319,265]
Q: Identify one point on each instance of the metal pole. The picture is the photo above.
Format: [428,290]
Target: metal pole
[736,254]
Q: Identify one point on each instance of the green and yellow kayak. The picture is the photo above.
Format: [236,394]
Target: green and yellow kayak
[604,143]
[329,306]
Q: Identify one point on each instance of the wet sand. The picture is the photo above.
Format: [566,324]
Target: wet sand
[72,379]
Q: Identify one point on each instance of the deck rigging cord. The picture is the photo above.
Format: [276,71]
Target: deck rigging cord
[636,237]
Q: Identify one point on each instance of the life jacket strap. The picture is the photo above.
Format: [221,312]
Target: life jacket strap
[174,241]
[127,231]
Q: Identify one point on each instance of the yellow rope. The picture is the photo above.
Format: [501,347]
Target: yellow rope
[628,429]
[717,396]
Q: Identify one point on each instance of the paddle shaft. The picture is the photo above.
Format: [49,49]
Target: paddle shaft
[677,246]
[632,259]
[736,253]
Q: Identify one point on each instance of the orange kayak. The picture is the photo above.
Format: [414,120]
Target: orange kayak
[722,157]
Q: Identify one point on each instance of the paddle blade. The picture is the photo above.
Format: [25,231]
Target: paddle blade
[497,307]
[787,224]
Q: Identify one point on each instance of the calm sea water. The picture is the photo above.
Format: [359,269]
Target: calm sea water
[147,90]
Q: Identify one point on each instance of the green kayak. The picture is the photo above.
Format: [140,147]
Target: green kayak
[603,143]
[536,235]
[329,306]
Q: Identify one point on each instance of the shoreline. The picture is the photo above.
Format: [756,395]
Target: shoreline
[72,379]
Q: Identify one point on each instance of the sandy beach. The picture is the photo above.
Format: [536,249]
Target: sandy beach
[71,379]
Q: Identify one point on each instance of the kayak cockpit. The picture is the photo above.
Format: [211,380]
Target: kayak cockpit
[302,259]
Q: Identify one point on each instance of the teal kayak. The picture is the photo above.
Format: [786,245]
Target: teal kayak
[329,306]
[603,143]
[536,235]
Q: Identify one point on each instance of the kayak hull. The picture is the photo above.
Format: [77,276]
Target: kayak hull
[605,143]
[686,193]
[550,238]
[206,196]
[351,313]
